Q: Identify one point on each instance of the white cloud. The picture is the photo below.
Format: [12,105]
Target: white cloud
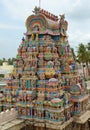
[80,10]
[19,9]
[5,26]
[78,37]
[22,8]
[77,2]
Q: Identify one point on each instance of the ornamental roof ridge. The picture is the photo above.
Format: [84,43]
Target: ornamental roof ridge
[38,10]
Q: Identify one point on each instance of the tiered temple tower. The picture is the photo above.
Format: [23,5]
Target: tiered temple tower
[50,92]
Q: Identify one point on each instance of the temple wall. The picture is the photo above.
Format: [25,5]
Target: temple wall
[72,126]
[22,126]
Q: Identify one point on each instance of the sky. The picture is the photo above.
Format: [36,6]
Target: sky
[13,14]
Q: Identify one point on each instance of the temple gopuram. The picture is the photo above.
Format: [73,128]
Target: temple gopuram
[45,87]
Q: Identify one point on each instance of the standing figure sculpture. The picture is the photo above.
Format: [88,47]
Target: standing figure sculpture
[63,25]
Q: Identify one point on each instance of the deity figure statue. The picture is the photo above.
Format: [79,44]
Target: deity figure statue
[63,24]
[36,10]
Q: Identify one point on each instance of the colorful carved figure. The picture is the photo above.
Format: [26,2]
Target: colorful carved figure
[63,25]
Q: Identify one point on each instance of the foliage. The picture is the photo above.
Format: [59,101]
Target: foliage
[74,56]
[1,62]
[83,54]
[88,46]
[10,61]
[1,75]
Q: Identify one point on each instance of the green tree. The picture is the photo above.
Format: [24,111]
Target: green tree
[4,59]
[88,46]
[1,62]
[88,50]
[13,59]
[83,55]
[73,52]
[10,61]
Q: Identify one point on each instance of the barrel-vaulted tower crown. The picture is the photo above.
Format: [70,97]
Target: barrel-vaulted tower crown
[44,22]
